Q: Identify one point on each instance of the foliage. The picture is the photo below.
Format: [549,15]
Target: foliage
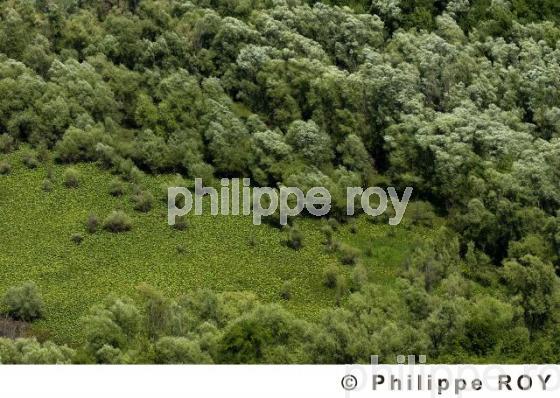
[47,185]
[24,302]
[92,223]
[330,276]
[117,221]
[295,237]
[71,178]
[209,245]
[77,238]
[5,168]
[29,159]
[286,291]
[31,352]
[117,187]
[143,201]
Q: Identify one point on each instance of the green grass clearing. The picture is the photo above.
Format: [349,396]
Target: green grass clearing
[36,227]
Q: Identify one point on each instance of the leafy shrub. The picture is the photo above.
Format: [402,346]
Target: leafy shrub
[334,224]
[24,302]
[71,178]
[286,290]
[117,221]
[128,171]
[92,224]
[5,168]
[266,334]
[80,145]
[50,173]
[77,238]
[341,289]
[6,143]
[295,238]
[177,350]
[106,156]
[335,245]
[29,160]
[143,201]
[117,187]
[348,255]
[330,276]
[421,213]
[47,185]
[359,277]
[382,219]
[328,232]
[31,352]
[391,232]
[43,154]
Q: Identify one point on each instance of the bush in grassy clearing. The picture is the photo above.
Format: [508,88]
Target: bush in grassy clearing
[77,238]
[353,227]
[50,173]
[359,277]
[143,201]
[5,168]
[348,254]
[47,185]
[43,154]
[334,224]
[286,290]
[24,302]
[128,171]
[330,276]
[6,143]
[92,224]
[117,187]
[328,232]
[340,289]
[30,160]
[117,221]
[71,178]
[295,238]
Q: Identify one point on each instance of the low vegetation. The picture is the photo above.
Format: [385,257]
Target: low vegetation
[5,168]
[212,252]
[117,221]
[71,178]
[24,302]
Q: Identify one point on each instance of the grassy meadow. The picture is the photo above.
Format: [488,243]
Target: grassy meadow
[213,252]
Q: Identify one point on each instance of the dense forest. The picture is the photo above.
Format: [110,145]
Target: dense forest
[458,99]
